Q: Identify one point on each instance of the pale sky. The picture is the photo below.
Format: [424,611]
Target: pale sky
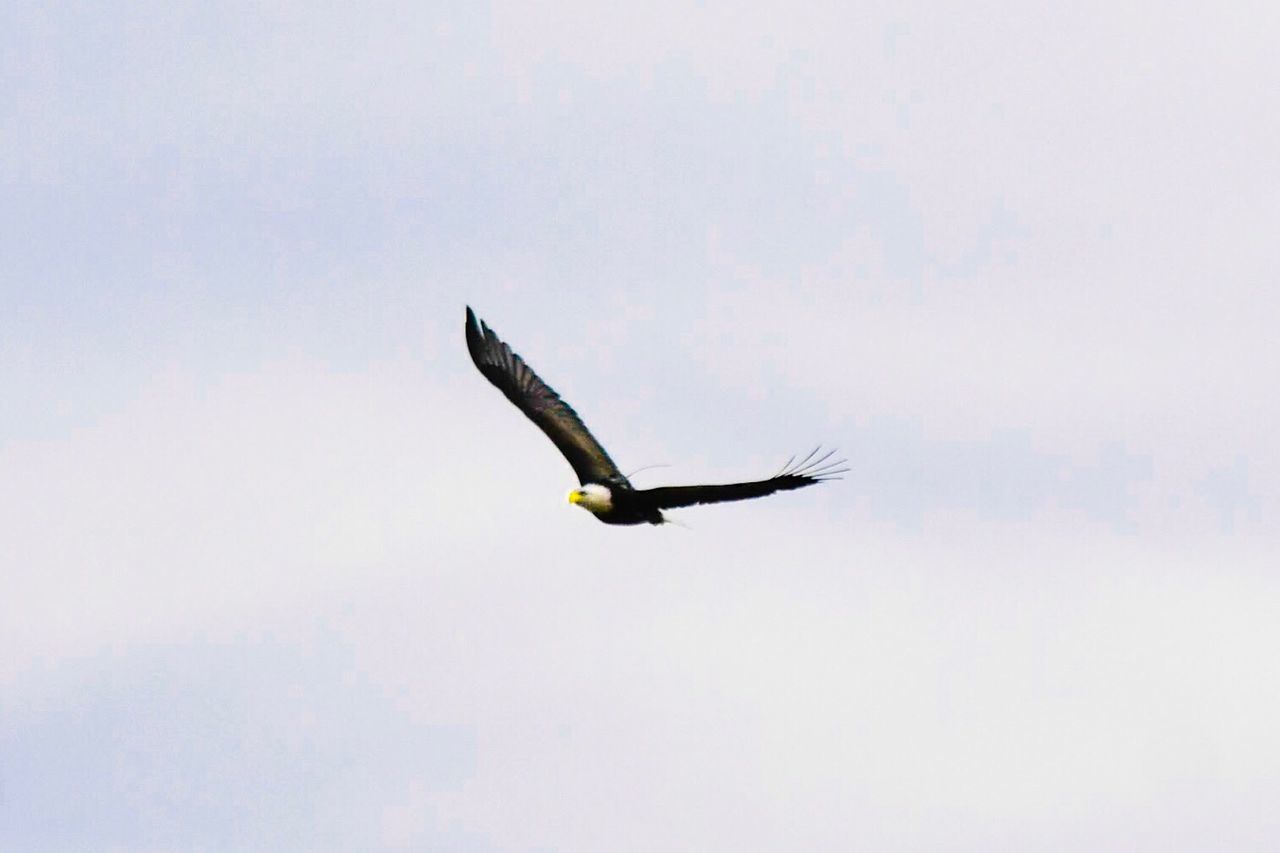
[283,572]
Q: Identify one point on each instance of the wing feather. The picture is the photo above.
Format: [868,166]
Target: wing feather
[812,469]
[513,377]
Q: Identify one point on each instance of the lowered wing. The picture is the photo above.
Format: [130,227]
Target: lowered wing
[542,405]
[794,475]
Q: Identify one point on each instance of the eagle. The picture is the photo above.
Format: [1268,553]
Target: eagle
[603,489]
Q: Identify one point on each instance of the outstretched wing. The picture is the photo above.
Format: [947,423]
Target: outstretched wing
[794,475]
[509,373]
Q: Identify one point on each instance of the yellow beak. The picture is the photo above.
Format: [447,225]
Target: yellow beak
[575,496]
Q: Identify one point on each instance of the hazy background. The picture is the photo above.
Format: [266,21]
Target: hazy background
[282,572]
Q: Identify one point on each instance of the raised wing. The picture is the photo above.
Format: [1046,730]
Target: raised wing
[794,475]
[509,373]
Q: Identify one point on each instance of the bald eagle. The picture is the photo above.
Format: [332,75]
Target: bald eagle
[604,490]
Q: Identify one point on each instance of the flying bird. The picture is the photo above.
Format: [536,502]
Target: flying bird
[604,490]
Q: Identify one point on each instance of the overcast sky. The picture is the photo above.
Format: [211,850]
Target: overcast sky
[281,571]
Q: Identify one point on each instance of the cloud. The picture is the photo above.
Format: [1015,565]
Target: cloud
[274,551]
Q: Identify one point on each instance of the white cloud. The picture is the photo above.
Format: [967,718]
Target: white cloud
[259,526]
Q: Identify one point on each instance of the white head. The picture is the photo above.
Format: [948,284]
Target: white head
[594,497]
